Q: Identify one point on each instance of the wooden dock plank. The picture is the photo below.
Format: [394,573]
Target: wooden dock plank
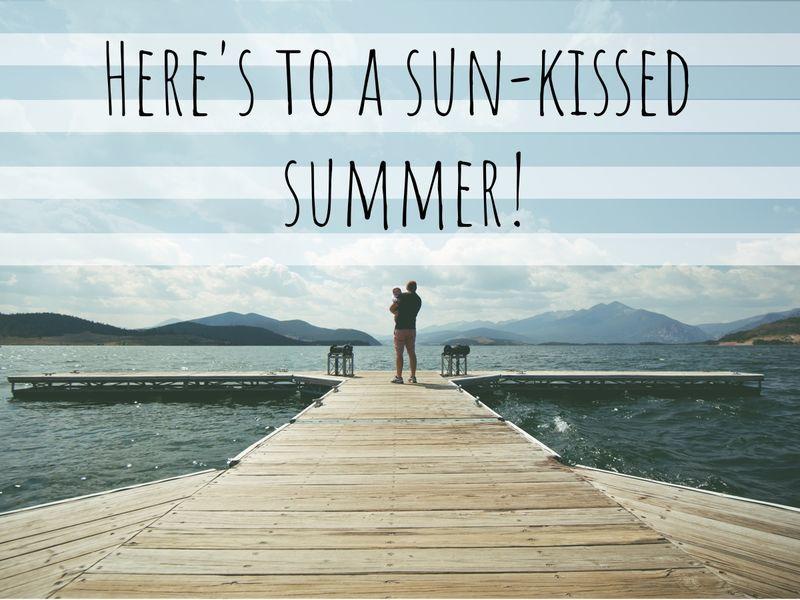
[408,479]
[395,519]
[210,537]
[651,583]
[389,449]
[406,501]
[363,466]
[530,559]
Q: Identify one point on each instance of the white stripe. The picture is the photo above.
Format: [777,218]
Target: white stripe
[88,49]
[515,116]
[267,183]
[400,249]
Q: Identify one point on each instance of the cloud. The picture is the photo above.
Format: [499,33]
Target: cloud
[772,251]
[461,249]
[596,16]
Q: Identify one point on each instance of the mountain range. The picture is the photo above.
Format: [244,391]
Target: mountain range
[293,328]
[612,323]
[227,329]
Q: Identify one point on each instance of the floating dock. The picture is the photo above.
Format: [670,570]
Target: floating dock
[181,381]
[382,490]
[159,382]
[633,380]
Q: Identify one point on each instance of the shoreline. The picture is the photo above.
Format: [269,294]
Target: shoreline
[156,343]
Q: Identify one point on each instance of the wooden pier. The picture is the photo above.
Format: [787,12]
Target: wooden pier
[382,490]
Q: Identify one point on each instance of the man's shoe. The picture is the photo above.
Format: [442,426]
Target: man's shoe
[412,379]
[397,380]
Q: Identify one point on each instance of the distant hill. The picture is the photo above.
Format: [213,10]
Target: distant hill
[785,331]
[235,335]
[612,323]
[295,328]
[37,325]
[481,341]
[455,326]
[718,330]
[169,321]
[53,328]
[479,335]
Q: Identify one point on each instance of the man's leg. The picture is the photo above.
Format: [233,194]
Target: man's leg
[398,353]
[412,353]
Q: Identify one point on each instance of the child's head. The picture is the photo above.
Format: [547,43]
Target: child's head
[396,292]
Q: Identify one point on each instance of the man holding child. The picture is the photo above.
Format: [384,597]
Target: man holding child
[405,307]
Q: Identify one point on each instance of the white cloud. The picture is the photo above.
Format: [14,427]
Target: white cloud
[773,251]
[595,16]
[785,209]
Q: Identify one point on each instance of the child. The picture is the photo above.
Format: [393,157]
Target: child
[395,301]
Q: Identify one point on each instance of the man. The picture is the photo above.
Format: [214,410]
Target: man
[405,330]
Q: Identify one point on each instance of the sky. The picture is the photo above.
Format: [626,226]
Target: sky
[358,297]
[79,188]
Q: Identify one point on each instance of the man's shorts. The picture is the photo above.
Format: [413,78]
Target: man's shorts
[404,338]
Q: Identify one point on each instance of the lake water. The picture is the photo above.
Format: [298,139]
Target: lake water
[748,445]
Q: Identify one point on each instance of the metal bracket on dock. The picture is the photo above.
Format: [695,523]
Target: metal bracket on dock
[232,462]
[317,402]
[502,419]
[454,360]
[341,361]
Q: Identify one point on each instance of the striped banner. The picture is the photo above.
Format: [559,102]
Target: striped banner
[716,184]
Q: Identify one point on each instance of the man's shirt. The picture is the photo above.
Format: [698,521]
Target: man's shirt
[407,308]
